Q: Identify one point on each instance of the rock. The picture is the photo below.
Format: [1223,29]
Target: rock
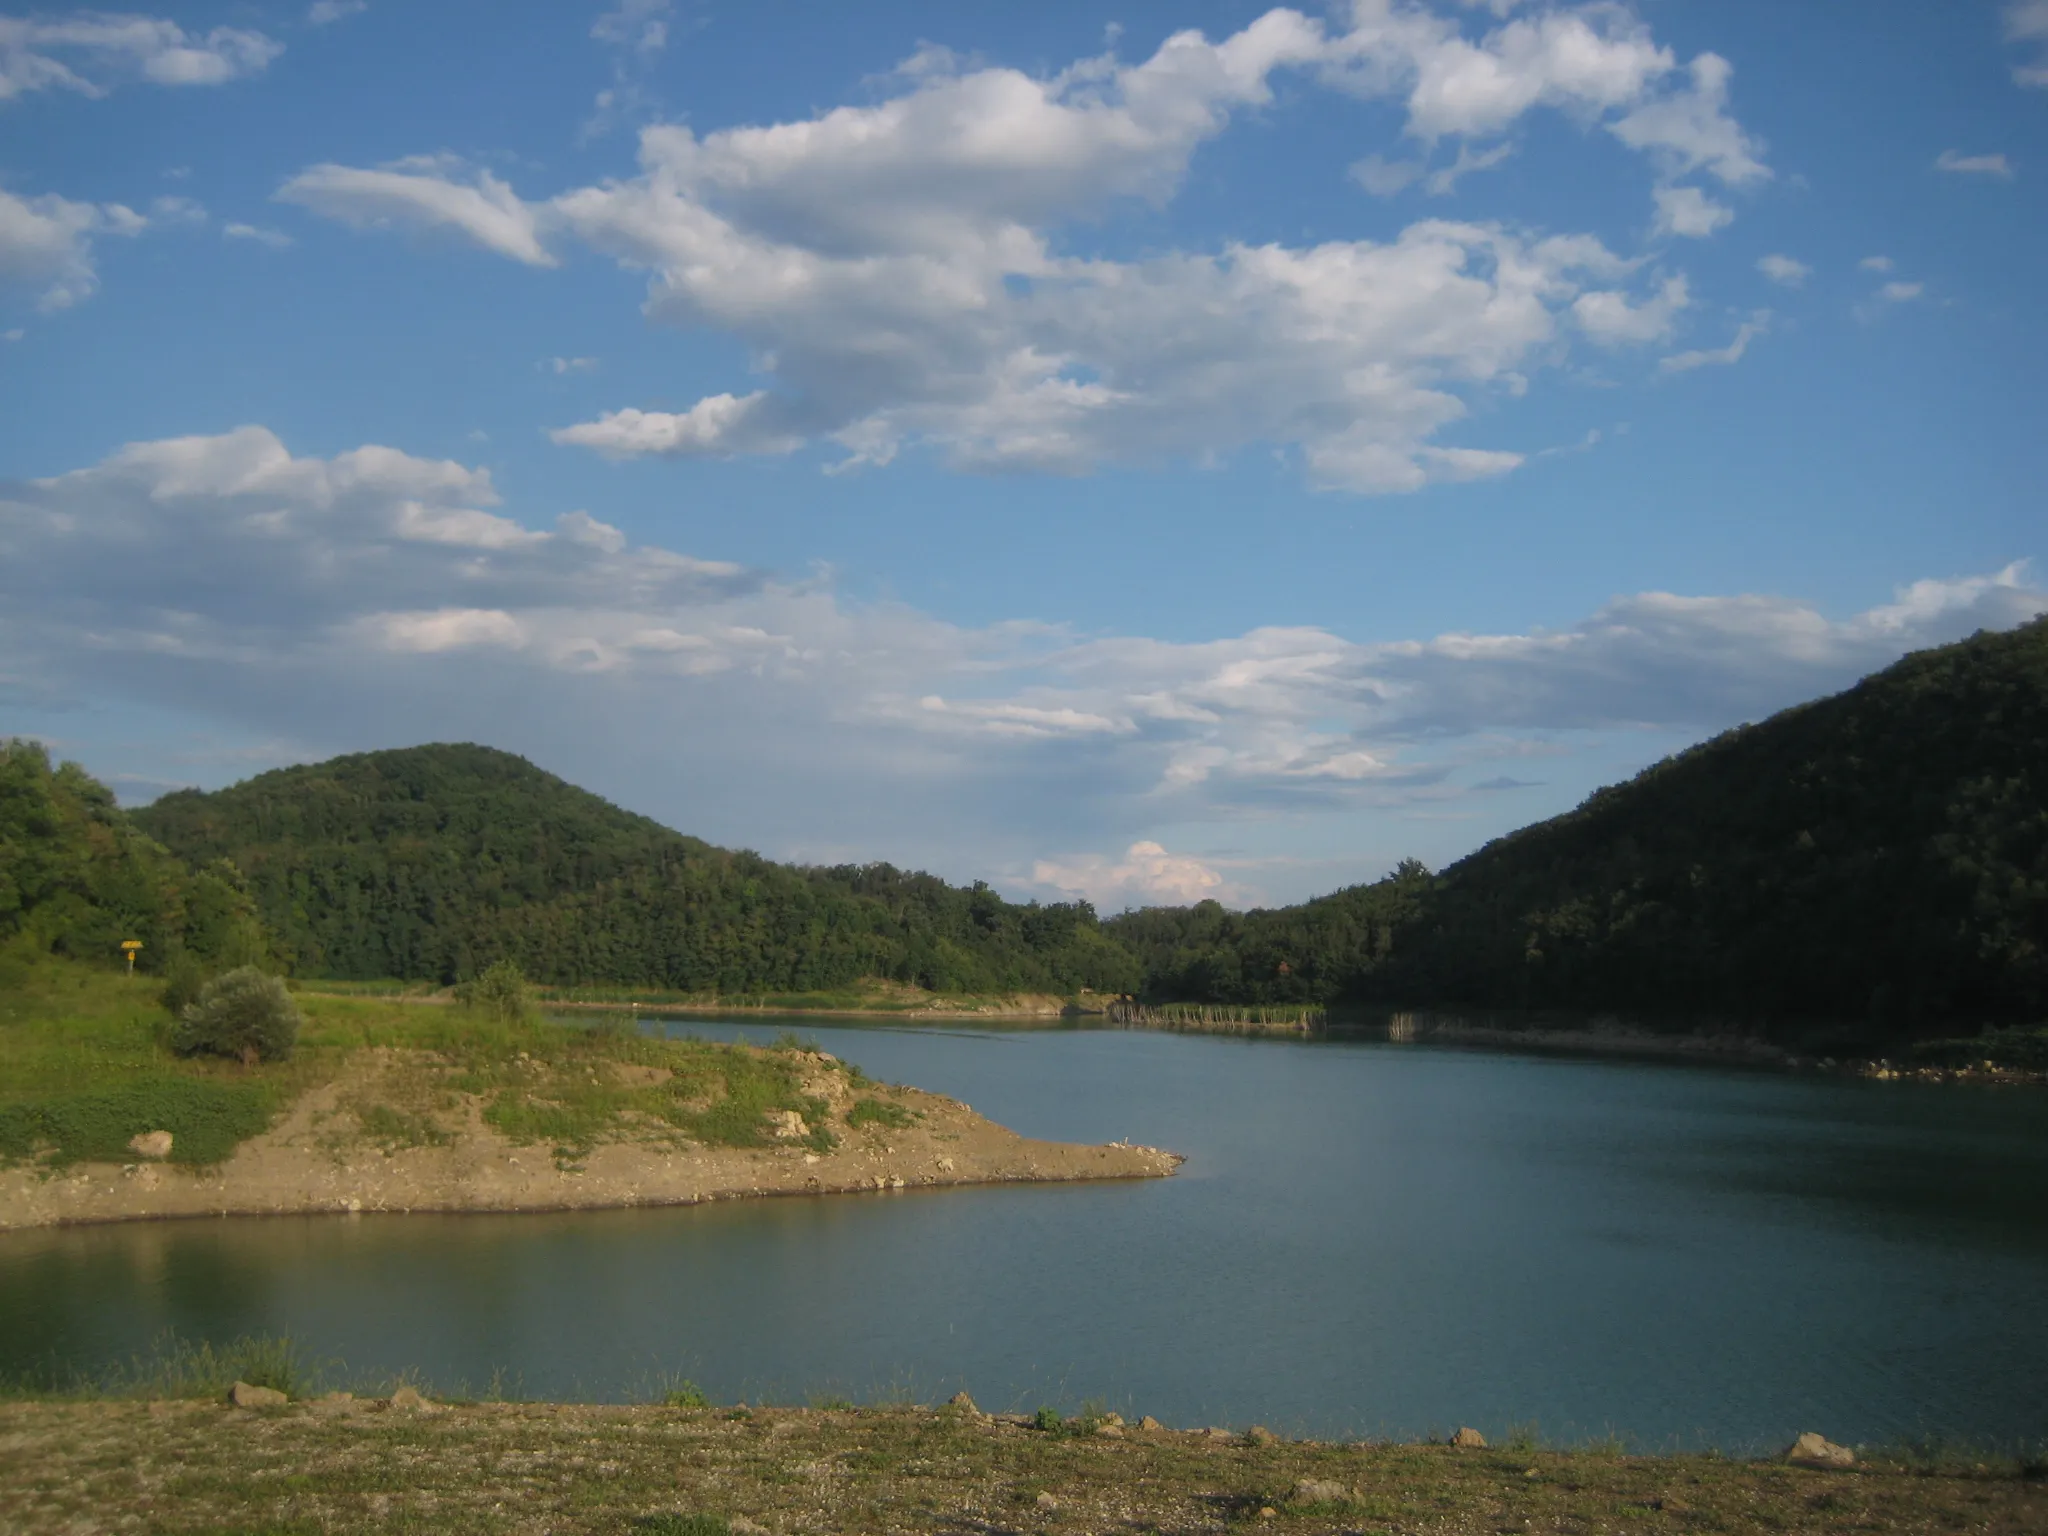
[1470,1438]
[242,1395]
[151,1144]
[1267,1511]
[786,1125]
[1811,1450]
[963,1402]
[1046,1502]
[409,1399]
[1258,1434]
[1148,1422]
[1110,1431]
[1114,1418]
[1319,1490]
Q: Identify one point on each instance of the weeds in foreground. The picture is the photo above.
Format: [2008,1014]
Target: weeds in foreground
[176,1367]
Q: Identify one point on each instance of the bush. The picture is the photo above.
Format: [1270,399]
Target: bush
[500,992]
[183,983]
[243,1014]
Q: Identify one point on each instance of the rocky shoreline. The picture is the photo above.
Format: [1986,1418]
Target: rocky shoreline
[311,1162]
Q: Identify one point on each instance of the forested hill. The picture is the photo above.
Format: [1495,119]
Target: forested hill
[1875,863]
[431,862]
[76,879]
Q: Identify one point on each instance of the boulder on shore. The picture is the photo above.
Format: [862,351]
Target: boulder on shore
[243,1395]
[1812,1450]
[1319,1490]
[1470,1438]
[150,1144]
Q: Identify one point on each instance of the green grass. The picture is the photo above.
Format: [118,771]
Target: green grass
[873,1111]
[84,1067]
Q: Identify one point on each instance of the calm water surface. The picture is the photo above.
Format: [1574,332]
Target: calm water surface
[1366,1239]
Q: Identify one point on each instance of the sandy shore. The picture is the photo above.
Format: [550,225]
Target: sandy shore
[310,1161]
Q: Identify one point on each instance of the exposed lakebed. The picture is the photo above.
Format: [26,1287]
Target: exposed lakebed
[1366,1239]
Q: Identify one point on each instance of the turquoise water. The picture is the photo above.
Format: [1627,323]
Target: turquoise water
[1366,1239]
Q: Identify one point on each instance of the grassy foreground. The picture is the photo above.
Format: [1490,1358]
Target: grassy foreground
[339,1464]
[84,1067]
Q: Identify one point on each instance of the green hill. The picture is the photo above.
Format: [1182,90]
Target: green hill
[430,862]
[1875,863]
[77,878]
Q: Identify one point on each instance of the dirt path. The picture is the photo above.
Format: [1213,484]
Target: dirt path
[314,1159]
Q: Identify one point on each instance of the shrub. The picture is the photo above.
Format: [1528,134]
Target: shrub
[243,1014]
[183,983]
[879,1112]
[500,992]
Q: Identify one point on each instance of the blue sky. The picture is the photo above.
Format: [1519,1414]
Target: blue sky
[1130,451]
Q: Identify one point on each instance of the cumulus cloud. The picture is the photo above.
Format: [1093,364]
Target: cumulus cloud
[377,597]
[1785,271]
[1689,212]
[1146,875]
[2026,23]
[1684,362]
[423,193]
[46,242]
[89,52]
[899,268]
[1974,165]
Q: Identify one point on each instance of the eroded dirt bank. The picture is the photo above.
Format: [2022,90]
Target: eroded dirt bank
[317,1158]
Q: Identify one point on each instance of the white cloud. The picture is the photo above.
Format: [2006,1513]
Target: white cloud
[276,239]
[1610,318]
[419,192]
[898,268]
[1877,264]
[562,365]
[15,333]
[88,52]
[1689,212]
[1785,271]
[174,211]
[324,13]
[378,598]
[1684,362]
[1691,130]
[1900,293]
[2026,21]
[46,242]
[641,25]
[1146,875]
[1974,165]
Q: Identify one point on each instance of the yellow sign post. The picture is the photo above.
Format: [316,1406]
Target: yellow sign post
[131,946]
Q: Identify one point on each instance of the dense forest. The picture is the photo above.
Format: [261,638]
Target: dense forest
[77,878]
[1873,864]
[431,862]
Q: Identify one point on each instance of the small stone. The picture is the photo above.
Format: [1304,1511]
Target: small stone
[1319,1490]
[786,1125]
[1258,1434]
[1469,1438]
[1812,1450]
[1267,1511]
[1110,1431]
[409,1399]
[243,1395]
[1148,1422]
[1046,1502]
[963,1402]
[151,1144]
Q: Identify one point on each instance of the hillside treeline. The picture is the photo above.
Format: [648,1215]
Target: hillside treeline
[431,862]
[78,879]
[1875,862]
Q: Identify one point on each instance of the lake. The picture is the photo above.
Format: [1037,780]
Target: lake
[1367,1239]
